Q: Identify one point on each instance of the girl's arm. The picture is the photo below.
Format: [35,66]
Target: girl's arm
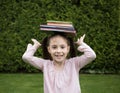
[29,57]
[88,54]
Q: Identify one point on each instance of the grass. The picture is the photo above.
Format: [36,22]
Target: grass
[100,83]
[33,83]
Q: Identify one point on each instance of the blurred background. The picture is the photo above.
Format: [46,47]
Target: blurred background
[99,19]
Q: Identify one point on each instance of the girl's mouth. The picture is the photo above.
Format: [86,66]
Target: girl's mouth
[59,56]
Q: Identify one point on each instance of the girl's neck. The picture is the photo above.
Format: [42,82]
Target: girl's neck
[59,66]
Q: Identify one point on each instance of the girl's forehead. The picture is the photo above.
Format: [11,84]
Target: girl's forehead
[58,39]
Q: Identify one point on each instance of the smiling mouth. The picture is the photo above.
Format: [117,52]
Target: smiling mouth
[59,56]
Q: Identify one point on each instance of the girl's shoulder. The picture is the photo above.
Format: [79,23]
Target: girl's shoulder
[72,59]
[47,61]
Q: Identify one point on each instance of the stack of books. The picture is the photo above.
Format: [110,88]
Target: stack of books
[59,26]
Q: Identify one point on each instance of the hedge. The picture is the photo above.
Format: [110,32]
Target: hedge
[98,19]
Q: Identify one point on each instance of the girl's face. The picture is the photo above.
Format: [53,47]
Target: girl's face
[58,48]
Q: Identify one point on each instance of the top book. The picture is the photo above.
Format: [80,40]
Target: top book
[59,23]
[59,26]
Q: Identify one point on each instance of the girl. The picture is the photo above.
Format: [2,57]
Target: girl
[60,68]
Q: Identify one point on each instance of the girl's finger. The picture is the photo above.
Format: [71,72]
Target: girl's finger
[35,41]
[29,45]
[83,36]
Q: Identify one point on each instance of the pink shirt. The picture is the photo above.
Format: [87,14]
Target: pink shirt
[65,81]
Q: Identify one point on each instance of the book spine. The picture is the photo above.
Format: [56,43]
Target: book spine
[58,22]
[57,27]
[60,30]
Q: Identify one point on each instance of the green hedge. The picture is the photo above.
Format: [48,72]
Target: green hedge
[98,19]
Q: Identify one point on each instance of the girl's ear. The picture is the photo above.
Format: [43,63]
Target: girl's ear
[48,48]
[68,49]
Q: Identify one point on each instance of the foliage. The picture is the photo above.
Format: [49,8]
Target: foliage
[98,19]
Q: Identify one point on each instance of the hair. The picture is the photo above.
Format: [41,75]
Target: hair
[46,41]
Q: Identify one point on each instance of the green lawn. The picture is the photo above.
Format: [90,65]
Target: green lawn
[33,83]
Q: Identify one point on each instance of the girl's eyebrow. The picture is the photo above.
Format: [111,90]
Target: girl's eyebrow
[54,45]
[63,45]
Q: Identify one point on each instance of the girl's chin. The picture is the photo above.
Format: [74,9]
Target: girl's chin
[59,61]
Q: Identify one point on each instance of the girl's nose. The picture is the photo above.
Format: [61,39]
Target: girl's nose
[58,50]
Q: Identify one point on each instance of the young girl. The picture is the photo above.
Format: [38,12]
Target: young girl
[60,68]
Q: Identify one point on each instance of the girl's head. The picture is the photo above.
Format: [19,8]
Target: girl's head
[58,47]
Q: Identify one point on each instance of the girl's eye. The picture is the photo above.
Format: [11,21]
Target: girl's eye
[54,47]
[62,47]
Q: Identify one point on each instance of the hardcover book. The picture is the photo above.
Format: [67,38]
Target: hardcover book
[59,23]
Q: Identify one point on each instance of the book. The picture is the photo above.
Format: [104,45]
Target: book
[57,27]
[71,33]
[59,30]
[63,22]
[59,23]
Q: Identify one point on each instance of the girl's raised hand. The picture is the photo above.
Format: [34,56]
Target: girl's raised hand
[80,40]
[36,43]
